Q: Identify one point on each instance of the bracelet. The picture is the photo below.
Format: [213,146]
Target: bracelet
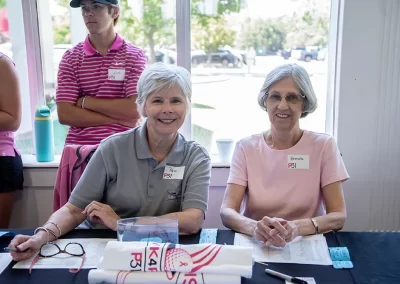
[54,234]
[43,229]
[83,102]
[314,222]
[58,228]
[253,230]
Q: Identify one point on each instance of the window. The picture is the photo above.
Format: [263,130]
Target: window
[150,24]
[215,46]
[225,86]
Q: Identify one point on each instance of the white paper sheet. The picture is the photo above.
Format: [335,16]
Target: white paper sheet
[94,249]
[5,259]
[305,250]
[309,280]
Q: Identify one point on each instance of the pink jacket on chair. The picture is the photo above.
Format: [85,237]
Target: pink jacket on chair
[73,162]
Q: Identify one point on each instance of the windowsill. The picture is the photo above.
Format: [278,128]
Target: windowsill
[29,161]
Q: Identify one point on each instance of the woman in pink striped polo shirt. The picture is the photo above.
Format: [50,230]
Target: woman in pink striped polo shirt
[11,176]
[288,180]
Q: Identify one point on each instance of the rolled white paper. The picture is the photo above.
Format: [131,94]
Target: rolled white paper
[199,258]
[99,276]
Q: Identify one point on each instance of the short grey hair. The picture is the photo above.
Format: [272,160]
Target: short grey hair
[300,76]
[159,77]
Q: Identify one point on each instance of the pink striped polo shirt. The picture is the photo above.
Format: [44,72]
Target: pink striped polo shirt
[83,71]
[7,143]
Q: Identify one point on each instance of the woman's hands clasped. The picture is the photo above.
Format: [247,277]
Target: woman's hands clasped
[275,231]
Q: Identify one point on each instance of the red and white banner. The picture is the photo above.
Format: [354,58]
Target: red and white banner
[99,276]
[190,259]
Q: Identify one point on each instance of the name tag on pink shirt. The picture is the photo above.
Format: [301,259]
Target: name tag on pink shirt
[116,74]
[298,162]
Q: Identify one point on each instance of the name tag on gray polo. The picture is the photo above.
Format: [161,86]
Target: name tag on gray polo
[171,172]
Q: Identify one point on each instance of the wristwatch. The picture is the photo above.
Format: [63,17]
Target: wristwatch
[315,225]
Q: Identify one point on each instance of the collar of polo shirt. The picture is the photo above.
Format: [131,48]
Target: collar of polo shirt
[174,157]
[90,50]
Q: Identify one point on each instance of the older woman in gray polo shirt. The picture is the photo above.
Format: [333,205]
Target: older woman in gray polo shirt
[151,170]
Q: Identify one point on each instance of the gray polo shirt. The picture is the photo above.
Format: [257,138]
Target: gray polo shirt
[124,174]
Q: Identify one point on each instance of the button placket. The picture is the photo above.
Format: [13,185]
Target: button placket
[151,179]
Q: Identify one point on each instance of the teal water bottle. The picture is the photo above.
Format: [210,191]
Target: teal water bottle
[44,139]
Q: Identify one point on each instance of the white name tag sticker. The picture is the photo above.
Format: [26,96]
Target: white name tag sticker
[173,172]
[116,74]
[298,162]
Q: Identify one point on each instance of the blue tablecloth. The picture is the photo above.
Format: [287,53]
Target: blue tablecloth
[375,256]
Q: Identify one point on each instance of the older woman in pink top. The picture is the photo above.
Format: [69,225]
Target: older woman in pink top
[11,177]
[287,181]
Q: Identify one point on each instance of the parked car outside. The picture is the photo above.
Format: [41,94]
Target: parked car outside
[286,54]
[305,53]
[222,57]
[163,55]
[166,55]
[199,57]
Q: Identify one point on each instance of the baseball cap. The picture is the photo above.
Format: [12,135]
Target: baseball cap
[77,3]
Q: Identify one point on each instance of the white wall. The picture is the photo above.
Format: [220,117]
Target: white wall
[368,128]
[34,204]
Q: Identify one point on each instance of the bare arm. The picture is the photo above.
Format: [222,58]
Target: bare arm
[120,109]
[69,104]
[10,96]
[66,218]
[190,220]
[70,114]
[335,209]
[124,108]
[230,210]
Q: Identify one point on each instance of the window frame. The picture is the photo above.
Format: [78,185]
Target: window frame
[183,50]
[333,72]
[33,53]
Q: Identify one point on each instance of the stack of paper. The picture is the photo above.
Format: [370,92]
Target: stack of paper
[305,250]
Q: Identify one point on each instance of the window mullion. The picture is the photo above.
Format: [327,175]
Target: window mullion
[32,39]
[183,50]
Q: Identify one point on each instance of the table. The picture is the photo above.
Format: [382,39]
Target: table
[374,256]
